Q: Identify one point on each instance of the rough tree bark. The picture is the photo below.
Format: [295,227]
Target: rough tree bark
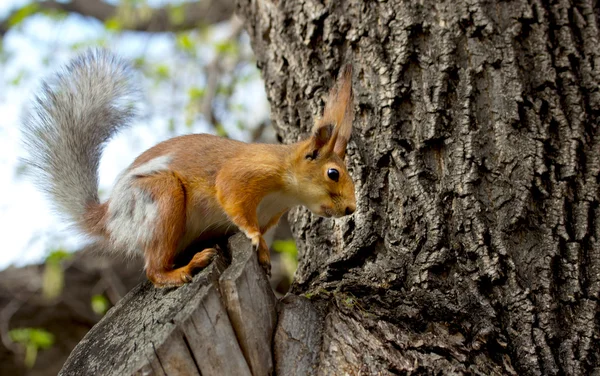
[476,156]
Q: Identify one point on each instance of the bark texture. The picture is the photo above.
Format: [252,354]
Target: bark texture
[476,157]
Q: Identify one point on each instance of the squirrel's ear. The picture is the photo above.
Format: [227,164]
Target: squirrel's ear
[344,111]
[338,114]
[321,139]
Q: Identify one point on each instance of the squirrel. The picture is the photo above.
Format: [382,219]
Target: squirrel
[187,188]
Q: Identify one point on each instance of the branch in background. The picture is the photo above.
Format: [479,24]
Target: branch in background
[214,70]
[258,132]
[147,19]
[68,316]
[5,315]
[213,74]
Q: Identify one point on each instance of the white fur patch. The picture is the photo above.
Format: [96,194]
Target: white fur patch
[154,165]
[205,219]
[131,210]
[272,205]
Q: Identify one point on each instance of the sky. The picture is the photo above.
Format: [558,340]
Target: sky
[29,229]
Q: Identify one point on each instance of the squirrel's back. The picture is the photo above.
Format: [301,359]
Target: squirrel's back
[77,111]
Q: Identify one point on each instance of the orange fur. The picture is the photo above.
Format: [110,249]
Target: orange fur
[338,111]
[213,185]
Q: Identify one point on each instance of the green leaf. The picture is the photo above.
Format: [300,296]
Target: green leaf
[185,43]
[42,338]
[162,71]
[100,304]
[221,130]
[139,62]
[113,24]
[196,93]
[20,335]
[226,47]
[285,247]
[289,255]
[177,14]
[53,280]
[21,14]
[33,339]
[58,255]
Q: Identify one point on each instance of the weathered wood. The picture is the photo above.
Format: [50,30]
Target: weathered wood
[250,304]
[298,336]
[187,330]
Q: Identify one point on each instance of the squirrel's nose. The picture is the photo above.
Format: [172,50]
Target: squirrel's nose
[350,209]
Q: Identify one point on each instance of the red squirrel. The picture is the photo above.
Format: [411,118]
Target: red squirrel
[188,188]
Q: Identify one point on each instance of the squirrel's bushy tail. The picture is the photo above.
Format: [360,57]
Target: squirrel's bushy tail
[77,111]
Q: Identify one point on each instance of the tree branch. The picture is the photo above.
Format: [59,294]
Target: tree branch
[151,20]
[214,70]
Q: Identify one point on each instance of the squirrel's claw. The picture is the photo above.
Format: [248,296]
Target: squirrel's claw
[267,269]
[263,258]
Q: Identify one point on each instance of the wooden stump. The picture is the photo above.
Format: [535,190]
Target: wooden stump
[220,324]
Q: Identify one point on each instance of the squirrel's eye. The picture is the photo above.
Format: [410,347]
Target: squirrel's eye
[333,174]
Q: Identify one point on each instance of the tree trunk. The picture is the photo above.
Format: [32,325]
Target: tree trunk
[476,157]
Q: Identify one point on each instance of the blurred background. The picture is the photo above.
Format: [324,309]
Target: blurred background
[198,76]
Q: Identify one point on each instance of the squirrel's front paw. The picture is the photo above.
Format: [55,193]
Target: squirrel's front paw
[264,259]
[267,268]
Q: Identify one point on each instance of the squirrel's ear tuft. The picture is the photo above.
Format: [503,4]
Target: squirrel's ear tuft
[338,114]
[346,111]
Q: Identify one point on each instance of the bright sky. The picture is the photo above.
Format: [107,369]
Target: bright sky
[28,228]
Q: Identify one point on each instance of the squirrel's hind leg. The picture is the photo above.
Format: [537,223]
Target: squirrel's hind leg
[169,196]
